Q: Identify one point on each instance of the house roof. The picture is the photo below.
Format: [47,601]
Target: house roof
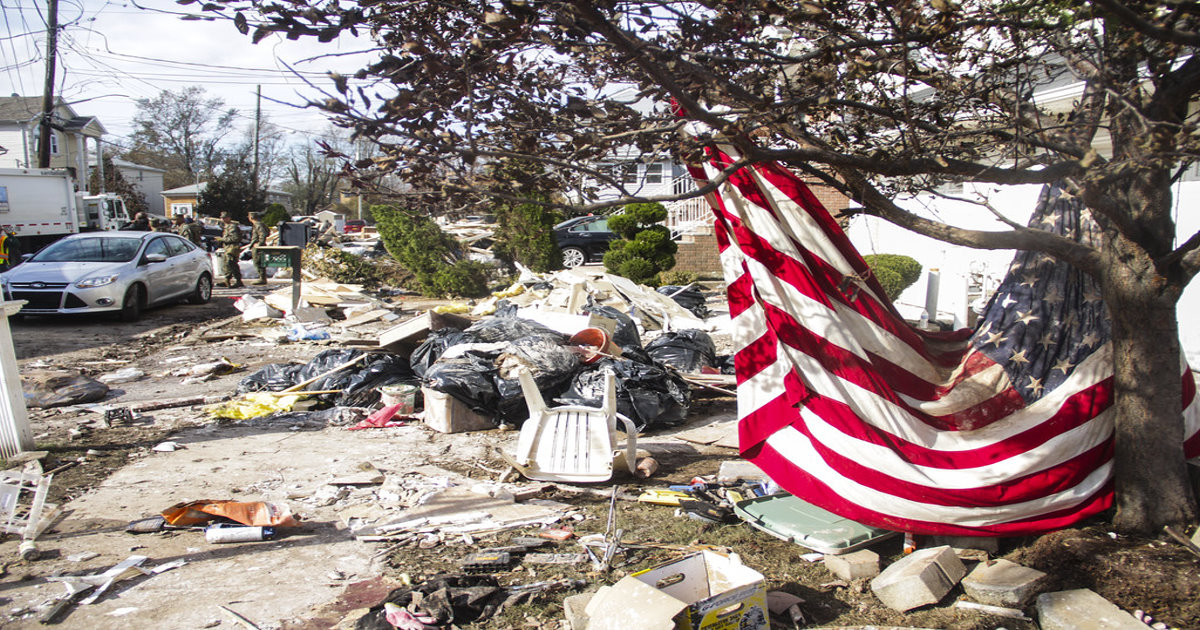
[196,189]
[25,108]
[126,164]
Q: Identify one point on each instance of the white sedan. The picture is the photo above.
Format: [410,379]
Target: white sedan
[122,272]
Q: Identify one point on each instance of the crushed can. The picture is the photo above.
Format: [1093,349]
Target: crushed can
[226,533]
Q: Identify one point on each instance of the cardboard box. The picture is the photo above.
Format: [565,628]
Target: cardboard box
[447,414]
[702,591]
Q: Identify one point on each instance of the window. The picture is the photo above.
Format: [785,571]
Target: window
[654,173]
[631,173]
[178,246]
[37,142]
[157,246]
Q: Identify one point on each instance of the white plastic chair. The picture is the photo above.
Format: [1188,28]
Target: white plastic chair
[573,443]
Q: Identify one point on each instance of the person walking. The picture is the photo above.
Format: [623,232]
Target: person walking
[231,242]
[188,229]
[258,238]
[141,223]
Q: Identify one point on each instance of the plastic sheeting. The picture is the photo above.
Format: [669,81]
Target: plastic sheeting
[685,350]
[647,394]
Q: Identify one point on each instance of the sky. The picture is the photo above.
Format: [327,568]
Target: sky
[111,53]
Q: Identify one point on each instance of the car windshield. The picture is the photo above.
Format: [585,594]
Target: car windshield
[105,249]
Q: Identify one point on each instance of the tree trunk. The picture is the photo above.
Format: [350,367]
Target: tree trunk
[1152,484]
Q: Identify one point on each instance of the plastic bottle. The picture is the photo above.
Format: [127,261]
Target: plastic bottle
[924,325]
[226,533]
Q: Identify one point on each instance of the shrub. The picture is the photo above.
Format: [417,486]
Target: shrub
[645,248]
[525,234]
[275,214]
[677,277]
[431,255]
[894,272]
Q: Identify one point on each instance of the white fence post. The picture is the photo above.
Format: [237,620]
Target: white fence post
[15,434]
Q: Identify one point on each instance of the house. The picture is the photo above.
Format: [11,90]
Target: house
[70,133]
[183,200]
[147,180]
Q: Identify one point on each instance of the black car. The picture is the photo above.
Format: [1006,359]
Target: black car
[583,239]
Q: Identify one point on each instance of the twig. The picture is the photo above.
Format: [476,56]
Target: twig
[60,468]
[1187,544]
[238,618]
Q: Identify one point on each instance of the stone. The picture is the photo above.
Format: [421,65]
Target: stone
[983,543]
[1082,609]
[1002,583]
[923,577]
[574,609]
[852,566]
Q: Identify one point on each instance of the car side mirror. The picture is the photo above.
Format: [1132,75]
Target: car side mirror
[25,257]
[155,258]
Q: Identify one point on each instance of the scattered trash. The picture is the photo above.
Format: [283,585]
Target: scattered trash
[61,390]
[693,592]
[246,513]
[791,518]
[123,375]
[227,533]
[82,556]
[167,447]
[381,419]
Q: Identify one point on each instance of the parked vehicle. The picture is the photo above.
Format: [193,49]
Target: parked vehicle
[41,206]
[354,226]
[583,239]
[122,272]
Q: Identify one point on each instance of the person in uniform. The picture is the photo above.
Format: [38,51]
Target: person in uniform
[187,229]
[10,249]
[258,238]
[141,223]
[231,243]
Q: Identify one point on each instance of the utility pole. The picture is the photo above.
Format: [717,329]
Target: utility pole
[257,122]
[48,89]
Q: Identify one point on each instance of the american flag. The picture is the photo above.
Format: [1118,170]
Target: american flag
[1002,430]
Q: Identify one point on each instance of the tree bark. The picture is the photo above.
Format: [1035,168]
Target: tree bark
[1150,470]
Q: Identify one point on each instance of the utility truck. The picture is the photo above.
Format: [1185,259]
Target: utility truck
[41,206]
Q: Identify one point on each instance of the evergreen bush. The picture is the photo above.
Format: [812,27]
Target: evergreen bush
[894,272]
[431,255]
[645,248]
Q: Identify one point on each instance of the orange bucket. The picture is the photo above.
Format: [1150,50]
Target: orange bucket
[592,342]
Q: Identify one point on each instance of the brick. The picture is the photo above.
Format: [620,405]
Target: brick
[988,544]
[923,577]
[1082,609]
[852,566]
[1002,583]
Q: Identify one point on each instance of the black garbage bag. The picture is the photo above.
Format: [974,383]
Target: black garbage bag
[626,335]
[451,599]
[551,364]
[495,329]
[647,394]
[326,361]
[505,308]
[274,377]
[690,298]
[469,377]
[685,350]
[361,389]
[726,364]
[433,347]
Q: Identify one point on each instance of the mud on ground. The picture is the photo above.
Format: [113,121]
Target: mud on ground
[320,577]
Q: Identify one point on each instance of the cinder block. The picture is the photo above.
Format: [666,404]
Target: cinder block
[1082,609]
[988,544]
[852,566]
[923,577]
[1002,583]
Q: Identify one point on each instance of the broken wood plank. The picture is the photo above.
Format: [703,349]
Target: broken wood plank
[364,318]
[177,402]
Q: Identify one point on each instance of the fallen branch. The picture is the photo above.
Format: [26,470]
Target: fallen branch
[1183,540]
[238,618]
[177,402]
[299,386]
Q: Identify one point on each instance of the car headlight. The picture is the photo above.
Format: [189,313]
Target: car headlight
[98,281]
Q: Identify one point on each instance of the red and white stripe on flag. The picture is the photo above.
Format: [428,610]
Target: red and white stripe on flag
[847,406]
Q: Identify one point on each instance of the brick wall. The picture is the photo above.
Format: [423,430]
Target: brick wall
[698,252]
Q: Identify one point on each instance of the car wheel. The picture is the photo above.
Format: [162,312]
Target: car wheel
[132,305]
[203,292]
[573,257]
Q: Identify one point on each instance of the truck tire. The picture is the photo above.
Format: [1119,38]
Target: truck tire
[134,302]
[203,291]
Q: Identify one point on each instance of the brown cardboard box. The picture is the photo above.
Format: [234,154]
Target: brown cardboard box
[447,414]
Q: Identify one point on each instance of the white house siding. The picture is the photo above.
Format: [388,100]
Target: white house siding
[10,140]
[957,264]
[149,181]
